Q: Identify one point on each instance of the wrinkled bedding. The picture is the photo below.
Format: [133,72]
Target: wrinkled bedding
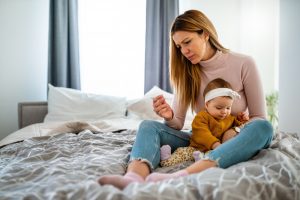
[67,166]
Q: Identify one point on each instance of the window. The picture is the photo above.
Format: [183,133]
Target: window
[112,46]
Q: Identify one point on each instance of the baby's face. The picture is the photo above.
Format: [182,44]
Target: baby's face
[219,107]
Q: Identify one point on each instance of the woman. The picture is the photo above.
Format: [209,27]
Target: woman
[196,58]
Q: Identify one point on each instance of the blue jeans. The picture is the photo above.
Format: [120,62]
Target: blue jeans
[151,135]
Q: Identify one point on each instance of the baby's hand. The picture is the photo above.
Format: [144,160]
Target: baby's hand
[228,135]
[243,117]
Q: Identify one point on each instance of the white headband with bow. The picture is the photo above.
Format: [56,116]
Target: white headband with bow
[221,92]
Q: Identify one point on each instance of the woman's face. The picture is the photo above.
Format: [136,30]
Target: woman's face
[192,45]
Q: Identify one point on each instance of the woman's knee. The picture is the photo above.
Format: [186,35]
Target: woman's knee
[148,128]
[149,125]
[264,130]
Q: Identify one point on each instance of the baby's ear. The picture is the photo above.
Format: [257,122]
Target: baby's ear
[206,104]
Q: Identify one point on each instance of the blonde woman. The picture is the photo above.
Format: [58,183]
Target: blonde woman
[196,58]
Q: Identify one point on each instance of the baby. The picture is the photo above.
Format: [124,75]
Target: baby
[209,125]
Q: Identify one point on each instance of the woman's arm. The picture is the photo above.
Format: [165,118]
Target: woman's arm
[179,114]
[253,90]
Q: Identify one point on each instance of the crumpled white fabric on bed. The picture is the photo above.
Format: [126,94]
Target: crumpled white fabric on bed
[54,128]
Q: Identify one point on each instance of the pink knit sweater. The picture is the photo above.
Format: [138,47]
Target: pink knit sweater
[241,72]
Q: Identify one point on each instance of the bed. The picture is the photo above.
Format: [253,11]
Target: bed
[64,145]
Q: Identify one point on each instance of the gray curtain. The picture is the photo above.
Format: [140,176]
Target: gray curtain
[159,17]
[63,58]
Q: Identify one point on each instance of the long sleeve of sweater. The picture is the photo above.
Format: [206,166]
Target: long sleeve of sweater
[202,138]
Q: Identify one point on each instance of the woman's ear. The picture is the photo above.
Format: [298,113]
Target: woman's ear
[206,36]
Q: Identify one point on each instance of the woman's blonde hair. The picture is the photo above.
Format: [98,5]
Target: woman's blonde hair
[185,76]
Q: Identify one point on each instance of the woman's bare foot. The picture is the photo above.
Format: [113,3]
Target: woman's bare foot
[120,181]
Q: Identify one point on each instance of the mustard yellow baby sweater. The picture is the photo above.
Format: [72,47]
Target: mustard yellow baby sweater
[206,130]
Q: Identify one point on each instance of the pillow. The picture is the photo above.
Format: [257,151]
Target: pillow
[143,109]
[66,104]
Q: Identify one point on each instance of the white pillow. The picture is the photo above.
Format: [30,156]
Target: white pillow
[143,109]
[66,104]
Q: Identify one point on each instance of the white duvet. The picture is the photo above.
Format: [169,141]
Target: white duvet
[67,166]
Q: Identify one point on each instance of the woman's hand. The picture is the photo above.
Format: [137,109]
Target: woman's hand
[162,108]
[243,117]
